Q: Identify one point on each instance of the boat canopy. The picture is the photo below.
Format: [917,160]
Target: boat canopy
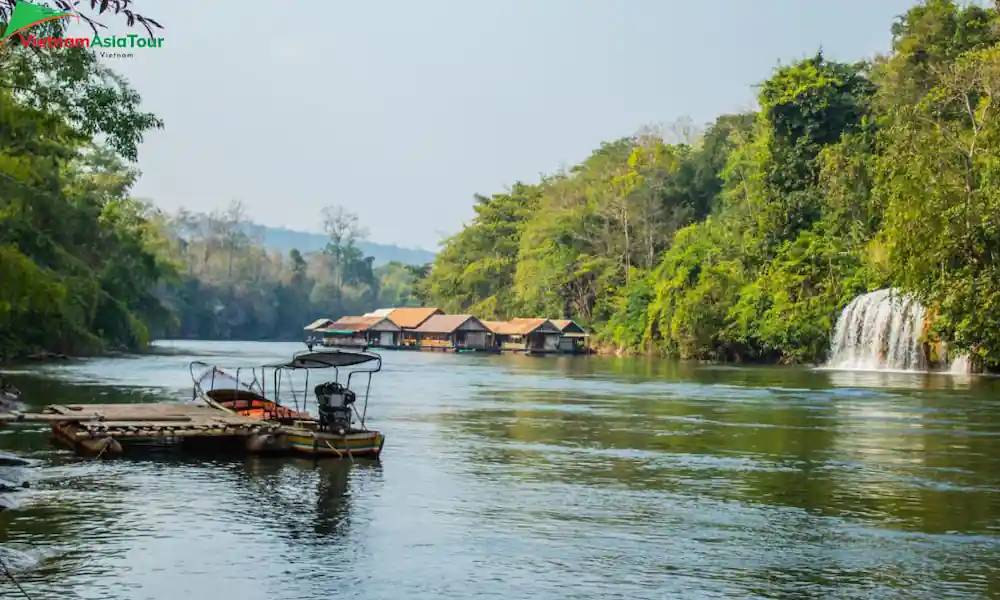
[326,359]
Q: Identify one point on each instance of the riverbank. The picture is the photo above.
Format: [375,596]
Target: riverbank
[745,242]
[608,348]
[44,356]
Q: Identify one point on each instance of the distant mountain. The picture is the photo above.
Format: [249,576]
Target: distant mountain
[284,240]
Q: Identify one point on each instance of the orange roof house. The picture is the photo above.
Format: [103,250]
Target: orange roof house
[535,335]
[353,324]
[495,326]
[452,332]
[521,326]
[444,324]
[412,318]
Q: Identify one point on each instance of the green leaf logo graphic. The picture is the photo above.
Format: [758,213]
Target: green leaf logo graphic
[27,15]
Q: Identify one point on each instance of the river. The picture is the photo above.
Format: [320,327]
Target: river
[524,477]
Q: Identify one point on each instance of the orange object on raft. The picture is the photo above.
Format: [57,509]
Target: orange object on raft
[226,390]
[265,410]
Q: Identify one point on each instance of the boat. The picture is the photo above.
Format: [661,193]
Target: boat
[219,389]
[334,431]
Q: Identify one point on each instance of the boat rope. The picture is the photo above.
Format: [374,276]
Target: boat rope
[10,576]
[339,453]
[107,442]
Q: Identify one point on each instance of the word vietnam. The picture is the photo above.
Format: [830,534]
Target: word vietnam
[111,41]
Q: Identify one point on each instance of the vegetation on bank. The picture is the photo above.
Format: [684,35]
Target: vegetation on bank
[85,267]
[229,285]
[78,258]
[741,243]
[746,242]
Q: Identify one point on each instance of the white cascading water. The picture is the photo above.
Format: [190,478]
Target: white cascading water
[881,331]
[960,366]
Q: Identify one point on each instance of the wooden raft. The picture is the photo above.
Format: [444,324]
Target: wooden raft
[96,428]
[148,420]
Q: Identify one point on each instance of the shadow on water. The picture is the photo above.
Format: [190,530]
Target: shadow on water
[311,499]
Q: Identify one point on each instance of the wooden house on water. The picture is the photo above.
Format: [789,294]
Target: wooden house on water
[361,332]
[573,338]
[408,319]
[531,336]
[452,333]
[313,336]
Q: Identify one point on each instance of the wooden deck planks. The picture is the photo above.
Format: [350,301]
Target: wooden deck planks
[140,420]
[107,429]
[147,410]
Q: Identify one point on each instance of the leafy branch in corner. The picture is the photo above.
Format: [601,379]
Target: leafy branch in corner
[115,7]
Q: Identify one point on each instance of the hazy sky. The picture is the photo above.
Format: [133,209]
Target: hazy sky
[401,110]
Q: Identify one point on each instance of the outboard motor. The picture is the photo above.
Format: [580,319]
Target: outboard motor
[335,406]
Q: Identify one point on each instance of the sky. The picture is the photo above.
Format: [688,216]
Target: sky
[401,110]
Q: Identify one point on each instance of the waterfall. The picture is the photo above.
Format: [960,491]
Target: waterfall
[881,330]
[960,366]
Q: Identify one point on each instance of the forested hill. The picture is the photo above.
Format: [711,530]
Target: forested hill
[746,243]
[284,240]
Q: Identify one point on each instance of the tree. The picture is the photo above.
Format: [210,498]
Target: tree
[945,149]
[88,97]
[345,231]
[102,7]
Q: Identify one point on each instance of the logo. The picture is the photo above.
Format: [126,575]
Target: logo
[28,14]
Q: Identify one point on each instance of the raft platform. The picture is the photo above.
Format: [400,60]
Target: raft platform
[108,429]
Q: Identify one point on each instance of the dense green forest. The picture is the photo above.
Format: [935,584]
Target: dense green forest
[742,242]
[86,267]
[746,242]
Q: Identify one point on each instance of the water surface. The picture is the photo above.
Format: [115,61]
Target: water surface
[525,477]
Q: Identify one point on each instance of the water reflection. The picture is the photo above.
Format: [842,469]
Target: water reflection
[900,379]
[880,455]
[542,478]
[310,499]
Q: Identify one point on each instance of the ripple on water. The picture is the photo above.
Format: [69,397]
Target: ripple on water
[508,477]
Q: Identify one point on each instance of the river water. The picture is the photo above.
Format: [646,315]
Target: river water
[524,477]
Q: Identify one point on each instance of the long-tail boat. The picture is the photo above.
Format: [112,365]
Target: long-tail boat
[333,431]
